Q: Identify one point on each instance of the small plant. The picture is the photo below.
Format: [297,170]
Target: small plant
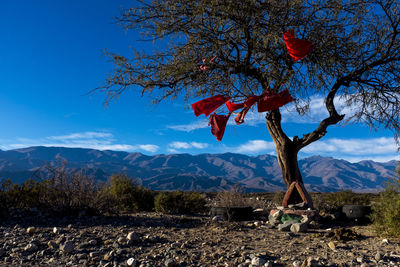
[233,198]
[386,211]
[128,196]
[180,202]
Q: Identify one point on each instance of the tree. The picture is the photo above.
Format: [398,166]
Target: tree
[355,57]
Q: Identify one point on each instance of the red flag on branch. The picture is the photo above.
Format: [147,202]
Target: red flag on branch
[208,105]
[218,124]
[297,48]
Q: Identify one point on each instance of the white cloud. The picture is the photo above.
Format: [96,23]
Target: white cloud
[379,149]
[200,124]
[148,148]
[94,140]
[175,146]
[79,136]
[255,146]
[179,145]
[199,145]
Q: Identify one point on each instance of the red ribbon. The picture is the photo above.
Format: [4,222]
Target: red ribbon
[297,48]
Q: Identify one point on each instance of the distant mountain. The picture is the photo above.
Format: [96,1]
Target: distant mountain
[204,172]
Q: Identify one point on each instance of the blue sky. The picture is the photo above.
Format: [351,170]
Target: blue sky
[52,56]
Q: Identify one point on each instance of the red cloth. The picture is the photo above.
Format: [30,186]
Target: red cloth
[218,124]
[297,48]
[233,106]
[271,101]
[251,100]
[239,119]
[208,105]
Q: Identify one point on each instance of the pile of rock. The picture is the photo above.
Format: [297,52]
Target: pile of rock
[292,219]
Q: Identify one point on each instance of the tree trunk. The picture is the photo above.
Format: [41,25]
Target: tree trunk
[286,149]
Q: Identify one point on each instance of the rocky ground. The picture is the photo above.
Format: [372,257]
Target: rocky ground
[151,239]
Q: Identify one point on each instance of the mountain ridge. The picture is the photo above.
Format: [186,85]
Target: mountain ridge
[201,172]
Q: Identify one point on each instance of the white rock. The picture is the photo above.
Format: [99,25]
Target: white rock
[31,230]
[131,262]
[297,263]
[31,247]
[268,264]
[305,219]
[133,236]
[56,230]
[298,227]
[257,261]
[385,242]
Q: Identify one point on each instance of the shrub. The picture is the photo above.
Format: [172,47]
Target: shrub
[334,201]
[386,211]
[128,196]
[180,202]
[233,198]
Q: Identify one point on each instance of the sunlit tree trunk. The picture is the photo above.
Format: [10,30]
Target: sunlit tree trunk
[286,150]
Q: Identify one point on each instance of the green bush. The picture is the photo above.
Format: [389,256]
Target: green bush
[386,211]
[127,196]
[180,202]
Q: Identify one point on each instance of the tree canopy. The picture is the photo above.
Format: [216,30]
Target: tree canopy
[355,57]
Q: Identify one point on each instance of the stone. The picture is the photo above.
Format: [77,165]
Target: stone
[94,254]
[56,230]
[31,230]
[286,225]
[121,240]
[132,262]
[268,264]
[296,263]
[133,236]
[31,247]
[257,261]
[312,262]
[384,241]
[275,216]
[299,227]
[360,259]
[52,244]
[332,246]
[378,256]
[305,219]
[107,256]
[170,263]
[67,247]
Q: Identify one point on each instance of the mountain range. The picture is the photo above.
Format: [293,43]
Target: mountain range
[203,172]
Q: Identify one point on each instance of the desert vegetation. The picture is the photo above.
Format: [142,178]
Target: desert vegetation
[75,193]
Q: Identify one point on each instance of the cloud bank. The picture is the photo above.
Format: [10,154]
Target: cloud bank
[93,140]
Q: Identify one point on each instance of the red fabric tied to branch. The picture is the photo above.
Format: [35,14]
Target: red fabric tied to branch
[208,105]
[218,125]
[266,102]
[233,106]
[271,101]
[297,48]
[239,119]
